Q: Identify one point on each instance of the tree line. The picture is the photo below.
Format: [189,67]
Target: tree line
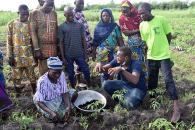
[162,5]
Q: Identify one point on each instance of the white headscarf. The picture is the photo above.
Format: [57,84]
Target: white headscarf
[54,63]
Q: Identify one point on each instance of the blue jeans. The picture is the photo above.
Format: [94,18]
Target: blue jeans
[2,79]
[83,66]
[133,96]
[153,70]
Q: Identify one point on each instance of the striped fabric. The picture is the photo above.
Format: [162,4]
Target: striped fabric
[47,91]
[54,63]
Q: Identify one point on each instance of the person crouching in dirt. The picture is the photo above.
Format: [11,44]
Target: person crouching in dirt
[130,78]
[156,33]
[20,50]
[52,95]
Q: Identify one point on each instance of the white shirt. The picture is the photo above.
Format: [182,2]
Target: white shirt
[46,91]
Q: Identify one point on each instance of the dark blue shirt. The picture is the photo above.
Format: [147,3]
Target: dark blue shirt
[134,66]
[71,34]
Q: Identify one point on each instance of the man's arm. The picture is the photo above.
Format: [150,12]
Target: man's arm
[100,67]
[67,104]
[169,37]
[61,44]
[131,77]
[112,64]
[9,40]
[106,67]
[62,50]
[66,98]
[33,26]
[84,43]
[44,107]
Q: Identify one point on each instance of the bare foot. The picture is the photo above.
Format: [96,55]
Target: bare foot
[176,116]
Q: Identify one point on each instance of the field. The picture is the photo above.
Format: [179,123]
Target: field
[153,114]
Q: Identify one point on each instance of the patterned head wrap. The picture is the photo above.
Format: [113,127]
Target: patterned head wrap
[54,63]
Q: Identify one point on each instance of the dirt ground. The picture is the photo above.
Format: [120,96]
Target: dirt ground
[110,119]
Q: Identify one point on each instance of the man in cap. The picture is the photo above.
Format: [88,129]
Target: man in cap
[52,98]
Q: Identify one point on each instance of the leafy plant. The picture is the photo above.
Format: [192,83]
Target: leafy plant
[123,127]
[161,123]
[84,122]
[158,93]
[192,128]
[187,96]
[155,104]
[180,126]
[120,110]
[22,119]
[94,105]
[119,95]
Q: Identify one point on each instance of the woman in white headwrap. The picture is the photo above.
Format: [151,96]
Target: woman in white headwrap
[52,98]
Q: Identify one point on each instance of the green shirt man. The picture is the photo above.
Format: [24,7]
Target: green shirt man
[154,33]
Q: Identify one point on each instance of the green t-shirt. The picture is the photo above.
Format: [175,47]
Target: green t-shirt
[154,34]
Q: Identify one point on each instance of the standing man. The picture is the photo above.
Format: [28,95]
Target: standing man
[156,33]
[20,50]
[79,17]
[44,34]
[73,46]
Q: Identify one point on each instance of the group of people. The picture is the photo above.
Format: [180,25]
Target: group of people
[36,39]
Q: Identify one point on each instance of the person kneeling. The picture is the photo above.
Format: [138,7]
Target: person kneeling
[52,98]
[130,77]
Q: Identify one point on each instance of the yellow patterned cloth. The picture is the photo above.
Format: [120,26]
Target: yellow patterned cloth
[18,74]
[19,43]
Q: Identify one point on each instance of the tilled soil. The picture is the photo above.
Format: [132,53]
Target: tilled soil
[107,120]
